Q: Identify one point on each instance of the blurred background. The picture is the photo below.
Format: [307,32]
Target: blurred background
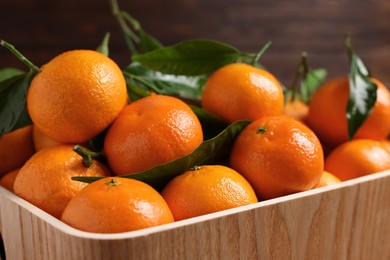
[41,29]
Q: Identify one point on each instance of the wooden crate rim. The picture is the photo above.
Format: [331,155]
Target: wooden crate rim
[147,231]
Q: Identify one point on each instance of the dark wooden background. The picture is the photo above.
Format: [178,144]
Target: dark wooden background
[42,29]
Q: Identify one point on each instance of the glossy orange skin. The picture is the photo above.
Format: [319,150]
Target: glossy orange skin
[45,179]
[285,158]
[151,131]
[42,141]
[327,116]
[327,179]
[128,206]
[15,149]
[8,180]
[207,189]
[76,96]
[240,91]
[386,144]
[357,158]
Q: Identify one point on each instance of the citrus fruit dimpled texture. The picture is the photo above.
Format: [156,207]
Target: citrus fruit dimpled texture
[45,179]
[112,205]
[76,96]
[207,189]
[239,91]
[357,158]
[278,156]
[327,113]
[151,131]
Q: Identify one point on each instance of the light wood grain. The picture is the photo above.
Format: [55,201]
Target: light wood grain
[350,220]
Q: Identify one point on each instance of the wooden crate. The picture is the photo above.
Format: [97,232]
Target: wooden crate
[350,220]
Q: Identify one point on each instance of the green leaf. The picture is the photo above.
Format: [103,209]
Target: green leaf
[187,87]
[6,73]
[310,80]
[103,47]
[136,92]
[207,153]
[148,42]
[309,85]
[192,57]
[211,125]
[362,92]
[13,112]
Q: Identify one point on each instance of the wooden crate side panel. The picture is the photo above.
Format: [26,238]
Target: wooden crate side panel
[351,222]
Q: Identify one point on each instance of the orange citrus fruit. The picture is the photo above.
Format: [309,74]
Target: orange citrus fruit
[76,96]
[7,180]
[278,156]
[113,205]
[386,144]
[327,179]
[41,141]
[207,189]
[327,113]
[45,179]
[357,158]
[240,91]
[151,131]
[296,109]
[16,148]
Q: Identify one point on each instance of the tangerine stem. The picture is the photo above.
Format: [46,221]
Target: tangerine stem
[20,56]
[130,36]
[261,52]
[302,70]
[86,154]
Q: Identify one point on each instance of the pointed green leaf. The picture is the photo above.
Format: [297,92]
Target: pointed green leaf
[309,85]
[188,87]
[6,73]
[192,57]
[362,92]
[362,96]
[13,93]
[103,47]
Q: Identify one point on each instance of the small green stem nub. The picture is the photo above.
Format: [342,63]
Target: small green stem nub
[86,154]
[20,56]
[262,130]
[113,182]
[195,168]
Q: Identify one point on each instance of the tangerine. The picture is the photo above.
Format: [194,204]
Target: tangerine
[327,113]
[296,109]
[327,179]
[76,96]
[113,205]
[357,158]
[278,156]
[8,180]
[151,131]
[16,148]
[207,189]
[240,91]
[45,179]
[42,141]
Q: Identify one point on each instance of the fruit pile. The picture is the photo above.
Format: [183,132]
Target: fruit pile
[183,131]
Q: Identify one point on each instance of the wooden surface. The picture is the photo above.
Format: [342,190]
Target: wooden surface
[346,221]
[43,28]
